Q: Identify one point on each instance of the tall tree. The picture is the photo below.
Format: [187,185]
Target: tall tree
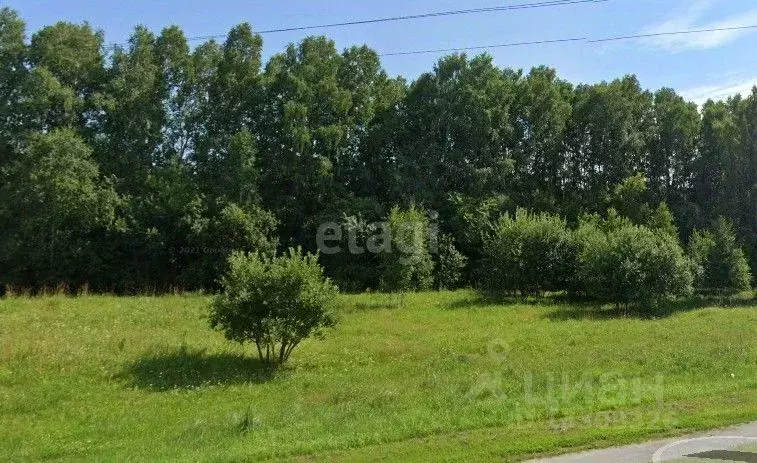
[607,140]
[198,152]
[58,207]
[13,74]
[229,87]
[457,135]
[68,75]
[542,110]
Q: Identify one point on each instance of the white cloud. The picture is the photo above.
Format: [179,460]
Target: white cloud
[690,19]
[720,91]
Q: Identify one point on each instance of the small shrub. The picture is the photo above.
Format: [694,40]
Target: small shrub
[450,264]
[274,303]
[591,236]
[529,253]
[721,266]
[408,266]
[632,265]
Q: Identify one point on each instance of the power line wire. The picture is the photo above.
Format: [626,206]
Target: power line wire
[481,47]
[660,34]
[522,6]
[571,39]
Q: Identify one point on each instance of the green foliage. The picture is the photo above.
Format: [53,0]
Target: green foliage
[454,131]
[449,264]
[55,206]
[530,253]
[355,265]
[13,75]
[610,222]
[673,147]
[630,204]
[233,229]
[408,265]
[274,302]
[629,198]
[473,220]
[662,220]
[607,140]
[315,134]
[72,53]
[721,266]
[632,265]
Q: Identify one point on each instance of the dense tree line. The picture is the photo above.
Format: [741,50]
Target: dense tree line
[142,167]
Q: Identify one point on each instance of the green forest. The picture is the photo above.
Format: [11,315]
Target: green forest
[141,167]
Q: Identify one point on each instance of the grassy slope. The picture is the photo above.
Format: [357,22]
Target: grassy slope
[432,376]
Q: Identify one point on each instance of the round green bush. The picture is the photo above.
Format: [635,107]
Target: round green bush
[274,302]
[529,253]
[721,266]
[408,266]
[633,265]
[449,264]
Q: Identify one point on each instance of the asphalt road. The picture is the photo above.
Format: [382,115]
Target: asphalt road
[735,444]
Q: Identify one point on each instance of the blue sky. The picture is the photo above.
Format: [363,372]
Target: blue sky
[699,66]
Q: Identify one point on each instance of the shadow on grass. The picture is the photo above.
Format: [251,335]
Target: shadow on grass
[589,311]
[563,307]
[485,301]
[189,369]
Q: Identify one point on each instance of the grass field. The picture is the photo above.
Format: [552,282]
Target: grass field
[434,376]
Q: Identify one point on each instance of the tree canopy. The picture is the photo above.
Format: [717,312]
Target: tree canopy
[143,166]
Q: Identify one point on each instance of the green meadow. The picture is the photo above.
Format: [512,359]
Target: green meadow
[445,376]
